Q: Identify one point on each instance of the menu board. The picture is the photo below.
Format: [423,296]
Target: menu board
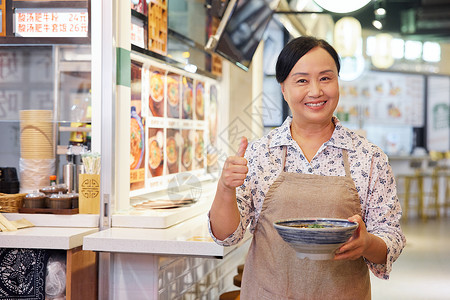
[174,126]
[51,22]
[382,97]
[438,113]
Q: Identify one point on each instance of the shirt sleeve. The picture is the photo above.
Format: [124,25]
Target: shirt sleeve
[383,213]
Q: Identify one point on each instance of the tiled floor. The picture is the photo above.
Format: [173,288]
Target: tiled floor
[423,269]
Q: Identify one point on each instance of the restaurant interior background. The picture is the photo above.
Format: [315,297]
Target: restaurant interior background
[395,88]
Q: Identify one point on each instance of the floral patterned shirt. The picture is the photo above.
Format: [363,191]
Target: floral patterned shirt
[370,170]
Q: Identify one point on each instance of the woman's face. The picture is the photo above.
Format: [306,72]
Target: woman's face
[311,88]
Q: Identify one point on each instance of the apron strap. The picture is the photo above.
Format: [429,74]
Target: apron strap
[283,157]
[346,164]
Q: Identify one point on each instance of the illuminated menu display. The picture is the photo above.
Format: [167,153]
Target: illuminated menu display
[51,22]
[2,18]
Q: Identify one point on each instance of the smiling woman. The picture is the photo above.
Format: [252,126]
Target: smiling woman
[309,167]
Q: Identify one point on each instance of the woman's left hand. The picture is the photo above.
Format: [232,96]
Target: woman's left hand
[357,245]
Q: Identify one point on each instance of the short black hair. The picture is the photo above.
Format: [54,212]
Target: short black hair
[295,49]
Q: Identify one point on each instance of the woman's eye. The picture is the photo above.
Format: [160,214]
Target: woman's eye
[301,80]
[324,78]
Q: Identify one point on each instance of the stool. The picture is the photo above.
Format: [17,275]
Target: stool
[233,295]
[433,193]
[446,203]
[409,181]
[238,278]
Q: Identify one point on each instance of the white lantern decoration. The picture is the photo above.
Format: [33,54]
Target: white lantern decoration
[347,33]
[382,57]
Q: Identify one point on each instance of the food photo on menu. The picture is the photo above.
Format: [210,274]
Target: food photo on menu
[137,130]
[212,118]
[199,100]
[199,149]
[212,153]
[186,151]
[137,146]
[188,97]
[173,145]
[155,151]
[156,98]
[173,95]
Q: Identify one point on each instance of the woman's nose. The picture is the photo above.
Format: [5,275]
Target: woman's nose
[315,89]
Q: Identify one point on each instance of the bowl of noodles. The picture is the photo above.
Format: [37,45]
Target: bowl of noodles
[155,157]
[156,87]
[136,140]
[172,151]
[186,157]
[173,96]
[315,238]
[187,102]
[199,102]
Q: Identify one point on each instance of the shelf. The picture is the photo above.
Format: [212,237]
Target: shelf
[62,149]
[74,129]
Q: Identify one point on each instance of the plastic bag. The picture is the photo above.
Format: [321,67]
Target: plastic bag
[55,280]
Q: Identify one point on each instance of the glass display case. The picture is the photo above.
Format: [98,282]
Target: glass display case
[54,79]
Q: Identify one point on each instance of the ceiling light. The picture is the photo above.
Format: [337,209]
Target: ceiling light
[380,11]
[190,68]
[431,52]
[342,6]
[413,50]
[377,24]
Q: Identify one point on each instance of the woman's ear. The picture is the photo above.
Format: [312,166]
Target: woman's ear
[282,89]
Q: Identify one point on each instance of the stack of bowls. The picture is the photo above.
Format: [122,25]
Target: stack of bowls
[37,150]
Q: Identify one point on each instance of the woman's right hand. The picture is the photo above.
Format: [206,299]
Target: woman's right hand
[235,168]
[224,213]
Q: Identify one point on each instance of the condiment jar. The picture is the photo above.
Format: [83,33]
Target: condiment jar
[59,201]
[54,189]
[74,199]
[35,199]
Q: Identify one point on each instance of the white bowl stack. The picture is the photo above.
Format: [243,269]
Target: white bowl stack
[37,150]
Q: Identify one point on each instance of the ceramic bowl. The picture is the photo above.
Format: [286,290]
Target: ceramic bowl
[319,240]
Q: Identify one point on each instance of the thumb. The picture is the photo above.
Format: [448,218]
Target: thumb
[242,147]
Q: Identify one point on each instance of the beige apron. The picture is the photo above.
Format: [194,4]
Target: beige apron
[272,269]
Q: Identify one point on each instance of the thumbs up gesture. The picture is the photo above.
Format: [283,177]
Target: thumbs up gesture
[235,168]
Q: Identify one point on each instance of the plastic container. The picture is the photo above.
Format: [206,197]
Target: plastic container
[34,200]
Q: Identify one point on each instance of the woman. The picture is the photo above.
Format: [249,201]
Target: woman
[310,166]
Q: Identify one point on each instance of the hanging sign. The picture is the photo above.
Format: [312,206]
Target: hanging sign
[51,22]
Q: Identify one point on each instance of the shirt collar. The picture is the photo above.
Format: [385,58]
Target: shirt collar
[341,137]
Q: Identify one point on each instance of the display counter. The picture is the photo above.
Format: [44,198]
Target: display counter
[164,263]
[61,238]
[190,237]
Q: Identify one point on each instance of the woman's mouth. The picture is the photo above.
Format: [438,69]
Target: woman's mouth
[317,104]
